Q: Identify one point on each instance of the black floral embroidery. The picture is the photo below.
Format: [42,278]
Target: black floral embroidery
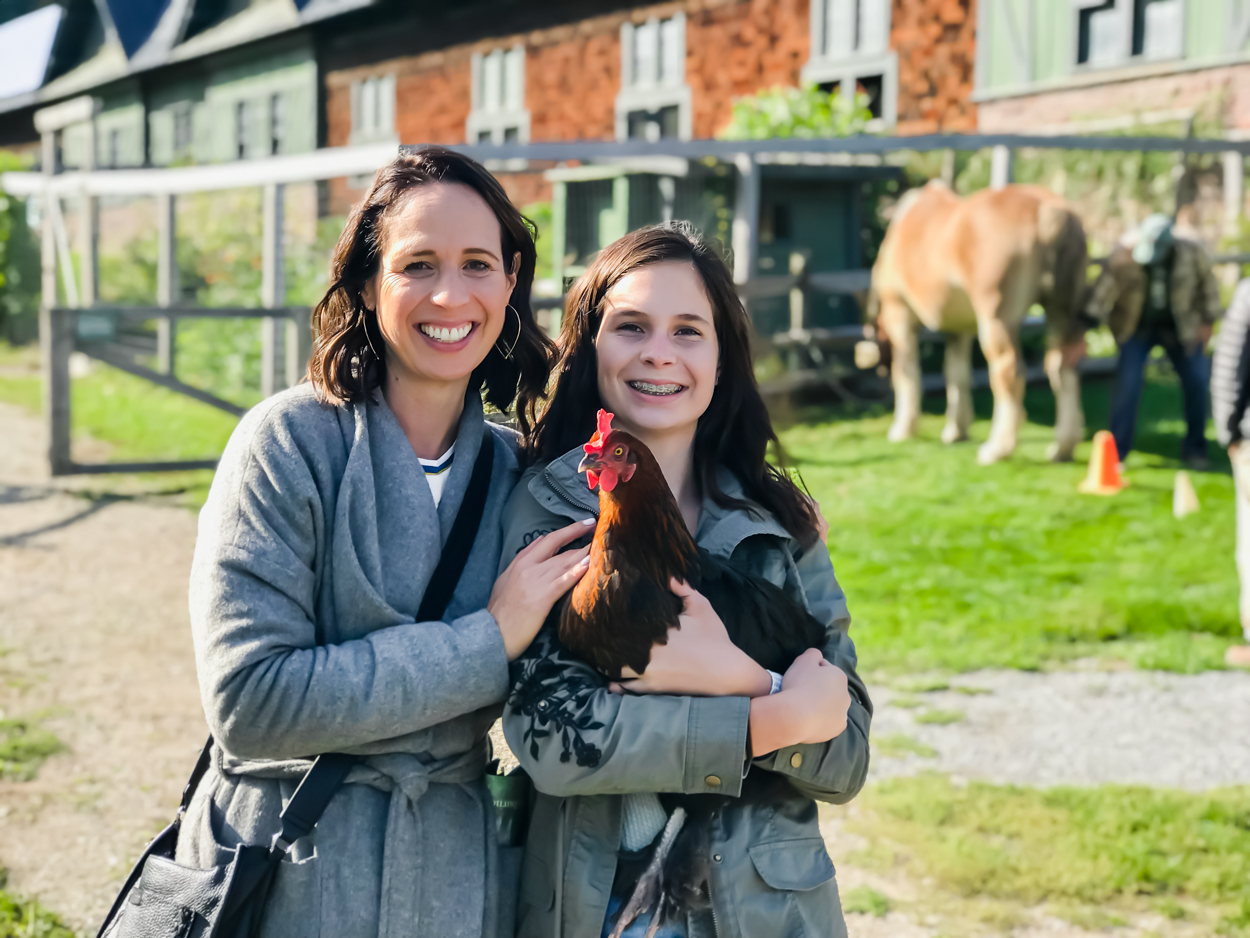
[531,536]
[553,689]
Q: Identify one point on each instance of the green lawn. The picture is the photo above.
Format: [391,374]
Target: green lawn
[138,420]
[949,565]
[1094,856]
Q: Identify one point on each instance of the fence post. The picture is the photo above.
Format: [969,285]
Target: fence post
[57,342]
[1000,166]
[298,346]
[89,227]
[1234,192]
[798,266]
[746,217]
[166,282]
[272,290]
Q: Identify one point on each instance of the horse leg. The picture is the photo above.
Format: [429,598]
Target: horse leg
[899,326]
[958,368]
[1065,382]
[1002,353]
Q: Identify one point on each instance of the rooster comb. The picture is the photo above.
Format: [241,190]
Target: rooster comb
[603,422]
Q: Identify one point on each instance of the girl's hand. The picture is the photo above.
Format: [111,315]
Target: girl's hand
[699,659]
[531,584]
[810,708]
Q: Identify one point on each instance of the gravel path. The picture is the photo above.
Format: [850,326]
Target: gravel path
[94,638]
[1078,728]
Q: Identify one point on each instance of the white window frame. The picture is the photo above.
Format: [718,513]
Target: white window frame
[846,70]
[496,118]
[655,91]
[1125,40]
[382,128]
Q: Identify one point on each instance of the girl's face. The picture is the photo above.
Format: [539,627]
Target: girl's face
[442,287]
[657,350]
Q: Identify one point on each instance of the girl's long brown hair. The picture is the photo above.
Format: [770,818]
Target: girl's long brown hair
[735,430]
[348,358]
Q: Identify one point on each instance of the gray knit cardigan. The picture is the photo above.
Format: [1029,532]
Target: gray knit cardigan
[315,546]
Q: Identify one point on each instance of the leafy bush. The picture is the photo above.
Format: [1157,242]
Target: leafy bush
[797,112]
[19,264]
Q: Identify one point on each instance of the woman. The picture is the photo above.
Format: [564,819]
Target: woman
[655,333]
[316,546]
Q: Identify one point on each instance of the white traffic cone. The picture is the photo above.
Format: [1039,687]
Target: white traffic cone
[1184,498]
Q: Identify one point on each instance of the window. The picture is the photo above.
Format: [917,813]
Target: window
[373,109]
[241,121]
[115,147]
[654,100]
[850,51]
[498,112]
[1112,32]
[277,124]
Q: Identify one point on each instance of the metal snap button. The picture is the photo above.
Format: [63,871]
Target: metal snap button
[796,760]
[713,781]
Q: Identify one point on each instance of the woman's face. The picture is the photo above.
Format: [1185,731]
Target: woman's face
[442,287]
[657,350]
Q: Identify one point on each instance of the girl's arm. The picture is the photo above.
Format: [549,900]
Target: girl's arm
[835,770]
[574,737]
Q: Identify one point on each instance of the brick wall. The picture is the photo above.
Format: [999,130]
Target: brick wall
[936,45]
[736,48]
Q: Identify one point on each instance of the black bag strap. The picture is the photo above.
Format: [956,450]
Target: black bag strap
[320,782]
[463,532]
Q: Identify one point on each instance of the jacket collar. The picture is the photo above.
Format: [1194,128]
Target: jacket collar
[561,488]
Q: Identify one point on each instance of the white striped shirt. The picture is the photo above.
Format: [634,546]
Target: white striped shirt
[436,472]
[1230,370]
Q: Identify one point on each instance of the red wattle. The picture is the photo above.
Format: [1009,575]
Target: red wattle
[592,478]
[607,480]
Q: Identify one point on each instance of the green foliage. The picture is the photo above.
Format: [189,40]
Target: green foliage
[539,213]
[25,918]
[897,745]
[1075,845]
[953,566]
[866,901]
[24,745]
[19,262]
[797,112]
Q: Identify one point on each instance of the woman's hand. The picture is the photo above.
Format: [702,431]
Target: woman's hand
[531,584]
[699,659]
[811,706]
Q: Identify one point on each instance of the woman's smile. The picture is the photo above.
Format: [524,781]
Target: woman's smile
[447,337]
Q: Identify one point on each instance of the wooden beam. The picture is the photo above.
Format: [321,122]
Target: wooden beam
[272,290]
[101,352]
[166,282]
[102,468]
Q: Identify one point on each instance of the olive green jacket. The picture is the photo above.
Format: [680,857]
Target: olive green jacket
[584,747]
[1119,293]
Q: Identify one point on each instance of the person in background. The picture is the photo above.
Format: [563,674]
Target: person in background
[1157,289]
[1230,395]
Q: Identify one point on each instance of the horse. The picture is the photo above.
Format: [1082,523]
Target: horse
[975,266]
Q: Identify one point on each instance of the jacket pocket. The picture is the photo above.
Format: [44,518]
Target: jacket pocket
[795,865]
[538,887]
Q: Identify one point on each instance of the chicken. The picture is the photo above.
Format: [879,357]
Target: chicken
[624,605]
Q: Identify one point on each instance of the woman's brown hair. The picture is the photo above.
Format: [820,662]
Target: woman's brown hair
[734,431]
[348,360]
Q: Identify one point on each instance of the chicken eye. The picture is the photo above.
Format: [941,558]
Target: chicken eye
[619,452]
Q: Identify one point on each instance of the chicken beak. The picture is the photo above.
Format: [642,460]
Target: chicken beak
[590,462]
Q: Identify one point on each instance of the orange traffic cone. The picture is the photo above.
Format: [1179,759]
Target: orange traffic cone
[1104,467]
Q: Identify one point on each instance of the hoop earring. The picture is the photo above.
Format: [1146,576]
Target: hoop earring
[508,354]
[364,321]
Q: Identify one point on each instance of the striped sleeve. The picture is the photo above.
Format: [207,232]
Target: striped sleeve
[1230,370]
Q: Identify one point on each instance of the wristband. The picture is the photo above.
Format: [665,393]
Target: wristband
[776,679]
